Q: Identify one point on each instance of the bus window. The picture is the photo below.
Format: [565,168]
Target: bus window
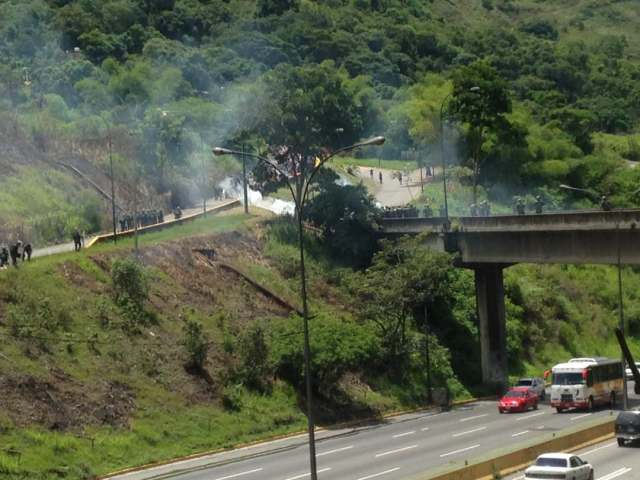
[565,378]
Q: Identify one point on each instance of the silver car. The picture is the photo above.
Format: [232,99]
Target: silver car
[535,384]
[559,465]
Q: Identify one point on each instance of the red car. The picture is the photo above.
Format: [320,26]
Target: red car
[518,399]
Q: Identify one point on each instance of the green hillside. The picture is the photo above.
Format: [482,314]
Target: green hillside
[108,363]
[167,80]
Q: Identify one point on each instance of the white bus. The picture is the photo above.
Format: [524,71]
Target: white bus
[586,382]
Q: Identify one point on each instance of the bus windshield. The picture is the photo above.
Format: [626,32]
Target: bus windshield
[565,378]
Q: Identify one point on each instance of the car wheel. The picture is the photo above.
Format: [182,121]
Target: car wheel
[501,410]
[535,406]
[590,404]
[559,410]
[621,442]
[591,475]
[542,396]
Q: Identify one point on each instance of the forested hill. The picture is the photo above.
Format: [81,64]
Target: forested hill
[166,79]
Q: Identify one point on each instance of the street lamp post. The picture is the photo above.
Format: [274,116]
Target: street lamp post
[244,181]
[299,191]
[113,191]
[444,164]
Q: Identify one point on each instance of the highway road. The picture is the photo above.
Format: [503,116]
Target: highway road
[400,448]
[609,461]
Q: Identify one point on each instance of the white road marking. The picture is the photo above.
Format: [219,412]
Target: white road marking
[335,451]
[239,474]
[308,474]
[469,431]
[540,427]
[581,416]
[520,433]
[459,451]
[615,474]
[404,434]
[379,474]
[474,418]
[527,417]
[395,451]
[518,478]
[424,429]
[600,448]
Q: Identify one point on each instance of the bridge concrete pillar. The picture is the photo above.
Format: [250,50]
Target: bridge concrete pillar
[493,334]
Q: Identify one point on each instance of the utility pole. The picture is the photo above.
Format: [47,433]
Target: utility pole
[244,181]
[625,395]
[205,182]
[113,189]
[427,356]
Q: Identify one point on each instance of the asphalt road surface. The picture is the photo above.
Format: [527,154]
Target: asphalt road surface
[609,461]
[69,247]
[401,448]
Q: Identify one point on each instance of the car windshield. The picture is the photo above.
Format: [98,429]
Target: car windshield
[568,379]
[525,383]
[551,462]
[514,393]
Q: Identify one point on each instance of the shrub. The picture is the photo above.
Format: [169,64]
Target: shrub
[196,344]
[131,290]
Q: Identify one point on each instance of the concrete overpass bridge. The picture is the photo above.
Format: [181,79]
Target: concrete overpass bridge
[488,245]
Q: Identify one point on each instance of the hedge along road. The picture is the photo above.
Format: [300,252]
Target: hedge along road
[401,448]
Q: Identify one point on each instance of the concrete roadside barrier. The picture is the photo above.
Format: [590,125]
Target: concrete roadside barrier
[516,459]
[169,223]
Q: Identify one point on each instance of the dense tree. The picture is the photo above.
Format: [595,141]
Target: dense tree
[480,100]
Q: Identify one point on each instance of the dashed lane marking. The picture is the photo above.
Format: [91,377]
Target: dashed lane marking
[404,434]
[527,417]
[398,450]
[615,474]
[380,473]
[335,451]
[240,474]
[479,429]
[459,451]
[599,448]
[520,433]
[424,429]
[308,474]
[581,416]
[467,419]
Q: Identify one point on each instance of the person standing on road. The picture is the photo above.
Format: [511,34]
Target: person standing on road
[605,204]
[77,240]
[371,173]
[539,204]
[14,253]
[380,177]
[4,257]
[26,252]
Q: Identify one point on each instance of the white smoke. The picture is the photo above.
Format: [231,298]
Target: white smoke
[232,188]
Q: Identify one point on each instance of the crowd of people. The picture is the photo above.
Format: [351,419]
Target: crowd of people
[410,211]
[11,254]
[142,219]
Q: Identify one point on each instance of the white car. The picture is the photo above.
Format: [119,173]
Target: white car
[535,384]
[559,465]
[628,371]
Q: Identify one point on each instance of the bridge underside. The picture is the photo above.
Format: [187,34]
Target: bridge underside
[489,244]
[568,247]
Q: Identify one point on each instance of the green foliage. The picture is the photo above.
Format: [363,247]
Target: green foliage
[349,219]
[130,284]
[195,343]
[338,345]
